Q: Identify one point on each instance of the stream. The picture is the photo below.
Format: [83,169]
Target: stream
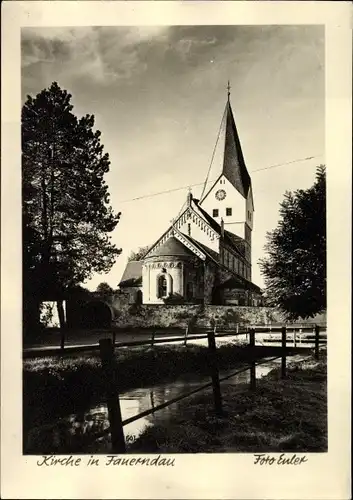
[74,433]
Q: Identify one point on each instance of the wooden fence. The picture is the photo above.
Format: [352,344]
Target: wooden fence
[299,336]
[111,377]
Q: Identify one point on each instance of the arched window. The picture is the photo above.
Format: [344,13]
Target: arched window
[162,286]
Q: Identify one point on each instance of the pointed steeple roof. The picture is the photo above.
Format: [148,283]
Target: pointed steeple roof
[228,156]
[234,168]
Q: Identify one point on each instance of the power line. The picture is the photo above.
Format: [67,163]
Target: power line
[287,163]
[208,182]
[214,150]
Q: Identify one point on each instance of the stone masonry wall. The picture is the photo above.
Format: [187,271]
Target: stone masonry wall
[178,316]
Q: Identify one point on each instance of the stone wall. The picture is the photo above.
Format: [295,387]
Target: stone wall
[157,316]
[178,316]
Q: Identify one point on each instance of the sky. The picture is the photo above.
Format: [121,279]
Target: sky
[158,96]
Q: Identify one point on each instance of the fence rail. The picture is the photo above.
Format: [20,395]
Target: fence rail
[200,333]
[111,377]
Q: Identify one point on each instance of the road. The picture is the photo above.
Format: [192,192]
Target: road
[52,338]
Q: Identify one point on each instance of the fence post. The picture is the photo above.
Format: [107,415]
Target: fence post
[317,341]
[186,335]
[114,337]
[62,337]
[214,372]
[252,338]
[237,328]
[253,361]
[152,401]
[284,359]
[294,337]
[112,394]
[152,339]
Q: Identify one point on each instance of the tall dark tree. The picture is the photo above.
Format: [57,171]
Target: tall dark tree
[66,213]
[295,266]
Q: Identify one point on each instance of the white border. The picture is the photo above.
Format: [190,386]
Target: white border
[324,476]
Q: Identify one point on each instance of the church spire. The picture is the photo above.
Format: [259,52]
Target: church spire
[234,168]
[227,158]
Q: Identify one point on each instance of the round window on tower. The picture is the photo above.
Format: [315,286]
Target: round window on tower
[220,194]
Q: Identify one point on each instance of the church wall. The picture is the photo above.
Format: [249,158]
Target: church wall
[209,282]
[174,276]
[233,262]
[194,278]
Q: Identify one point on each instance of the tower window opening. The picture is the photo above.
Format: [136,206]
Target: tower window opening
[215,212]
[228,211]
[189,229]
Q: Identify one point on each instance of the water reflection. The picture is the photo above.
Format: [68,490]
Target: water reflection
[74,433]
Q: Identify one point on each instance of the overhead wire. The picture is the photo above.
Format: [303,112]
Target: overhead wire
[208,182]
[213,153]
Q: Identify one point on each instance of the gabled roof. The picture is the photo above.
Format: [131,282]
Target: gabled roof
[208,251]
[172,247]
[132,275]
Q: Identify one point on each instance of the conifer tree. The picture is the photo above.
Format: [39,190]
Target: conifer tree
[295,266]
[66,213]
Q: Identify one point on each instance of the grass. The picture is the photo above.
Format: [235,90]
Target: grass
[54,386]
[280,416]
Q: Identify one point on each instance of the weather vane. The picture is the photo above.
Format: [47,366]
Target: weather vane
[228,89]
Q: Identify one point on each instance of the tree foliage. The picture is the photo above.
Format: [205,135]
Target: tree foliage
[66,213]
[104,289]
[295,266]
[139,254]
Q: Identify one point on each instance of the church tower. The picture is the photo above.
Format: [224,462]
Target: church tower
[230,196]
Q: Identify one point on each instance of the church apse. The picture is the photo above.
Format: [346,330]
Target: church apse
[172,281]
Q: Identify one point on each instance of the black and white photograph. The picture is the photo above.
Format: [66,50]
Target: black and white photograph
[174,239]
[175,273]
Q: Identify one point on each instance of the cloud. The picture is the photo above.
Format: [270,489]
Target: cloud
[186,46]
[103,55]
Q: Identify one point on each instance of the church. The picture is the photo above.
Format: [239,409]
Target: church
[204,257]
